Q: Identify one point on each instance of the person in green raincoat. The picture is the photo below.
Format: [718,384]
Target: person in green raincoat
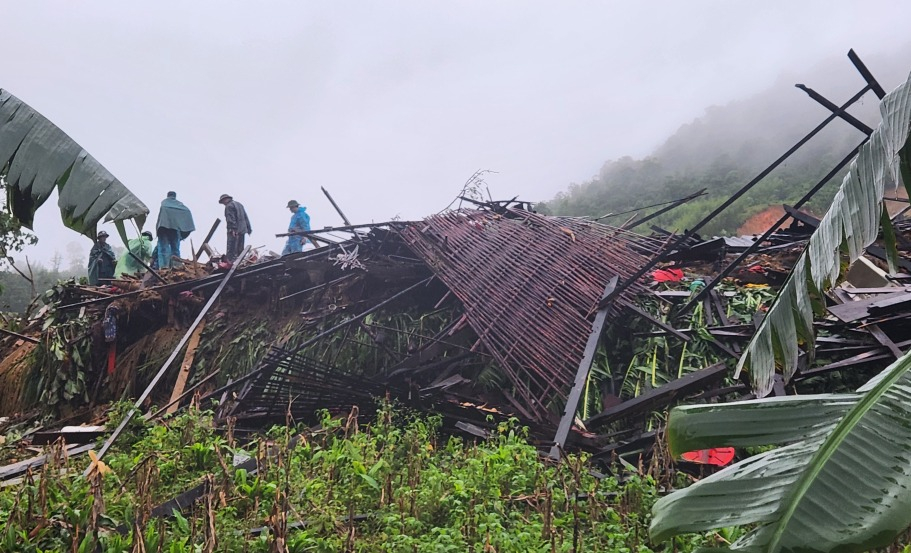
[101,260]
[175,223]
[140,247]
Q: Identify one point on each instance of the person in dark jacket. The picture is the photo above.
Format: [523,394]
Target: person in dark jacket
[175,223]
[101,260]
[238,226]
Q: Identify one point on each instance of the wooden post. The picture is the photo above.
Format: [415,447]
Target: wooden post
[185,368]
[205,243]
[585,366]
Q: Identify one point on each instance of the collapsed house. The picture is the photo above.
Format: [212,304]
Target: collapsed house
[474,314]
[503,299]
[503,290]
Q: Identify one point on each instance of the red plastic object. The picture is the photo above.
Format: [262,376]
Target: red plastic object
[668,275]
[718,456]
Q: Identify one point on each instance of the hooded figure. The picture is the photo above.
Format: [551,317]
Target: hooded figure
[140,247]
[300,221]
[175,223]
[101,260]
[238,226]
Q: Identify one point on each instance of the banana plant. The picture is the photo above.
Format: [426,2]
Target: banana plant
[36,157]
[840,478]
[851,224]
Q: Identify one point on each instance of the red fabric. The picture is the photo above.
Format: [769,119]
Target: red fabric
[112,356]
[668,275]
[718,456]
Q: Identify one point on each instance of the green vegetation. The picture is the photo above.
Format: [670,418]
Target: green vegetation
[16,292]
[37,158]
[721,151]
[393,485]
[647,361]
[628,186]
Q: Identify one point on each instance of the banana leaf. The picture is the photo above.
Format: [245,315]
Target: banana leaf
[36,157]
[843,485]
[852,223]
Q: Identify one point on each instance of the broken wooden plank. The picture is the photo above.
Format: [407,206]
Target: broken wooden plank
[889,303]
[885,340]
[707,250]
[881,290]
[194,387]
[335,205]
[20,336]
[585,365]
[184,373]
[880,253]
[854,310]
[804,218]
[146,266]
[662,325]
[636,444]
[15,469]
[662,396]
[204,247]
[865,357]
[672,293]
[70,434]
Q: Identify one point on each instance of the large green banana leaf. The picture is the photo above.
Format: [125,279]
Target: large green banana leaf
[844,484]
[851,224]
[36,156]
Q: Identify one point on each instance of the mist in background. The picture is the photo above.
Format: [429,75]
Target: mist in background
[392,106]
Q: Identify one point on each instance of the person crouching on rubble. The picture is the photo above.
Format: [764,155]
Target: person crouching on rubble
[140,247]
[238,226]
[101,260]
[300,221]
[175,223]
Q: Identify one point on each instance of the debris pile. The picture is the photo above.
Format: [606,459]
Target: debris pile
[580,330]
[470,313]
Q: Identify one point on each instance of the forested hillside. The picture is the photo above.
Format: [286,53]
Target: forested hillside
[17,291]
[728,145]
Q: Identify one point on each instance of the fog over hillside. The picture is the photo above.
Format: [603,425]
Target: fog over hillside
[729,144]
[756,129]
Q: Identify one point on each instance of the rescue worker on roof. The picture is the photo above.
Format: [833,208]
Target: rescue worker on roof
[300,221]
[175,223]
[101,260]
[238,226]
[140,247]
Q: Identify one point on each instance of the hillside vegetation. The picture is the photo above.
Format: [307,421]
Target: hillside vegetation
[729,145]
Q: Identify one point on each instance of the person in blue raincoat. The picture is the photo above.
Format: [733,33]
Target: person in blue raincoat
[175,223]
[299,221]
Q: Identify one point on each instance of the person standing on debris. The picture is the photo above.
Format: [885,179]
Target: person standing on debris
[175,223]
[101,260]
[300,221]
[140,247]
[238,226]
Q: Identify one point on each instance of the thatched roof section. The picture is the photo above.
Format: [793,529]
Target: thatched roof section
[529,284]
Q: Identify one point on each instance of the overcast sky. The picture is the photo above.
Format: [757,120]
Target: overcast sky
[393,105]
